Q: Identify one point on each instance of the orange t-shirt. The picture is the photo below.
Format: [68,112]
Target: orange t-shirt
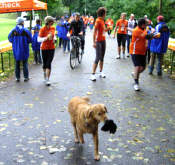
[91,20]
[48,44]
[100,26]
[138,43]
[122,26]
[109,22]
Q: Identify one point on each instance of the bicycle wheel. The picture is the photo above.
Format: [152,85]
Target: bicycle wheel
[73,59]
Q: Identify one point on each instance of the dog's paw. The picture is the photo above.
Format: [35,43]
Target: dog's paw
[76,140]
[97,157]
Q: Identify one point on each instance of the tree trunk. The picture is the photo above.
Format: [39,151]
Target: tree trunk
[31,16]
[160,7]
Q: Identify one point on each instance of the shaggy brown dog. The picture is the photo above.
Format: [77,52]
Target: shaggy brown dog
[85,119]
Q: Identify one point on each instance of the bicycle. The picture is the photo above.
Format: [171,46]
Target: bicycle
[75,54]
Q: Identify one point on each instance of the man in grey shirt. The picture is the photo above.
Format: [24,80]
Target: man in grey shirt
[132,23]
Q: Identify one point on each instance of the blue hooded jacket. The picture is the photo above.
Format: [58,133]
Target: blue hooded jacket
[59,28]
[35,43]
[20,38]
[66,26]
[160,45]
[149,27]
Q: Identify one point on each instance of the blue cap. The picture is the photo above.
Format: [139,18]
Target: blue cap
[19,20]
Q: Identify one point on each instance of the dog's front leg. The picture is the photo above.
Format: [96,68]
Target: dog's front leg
[75,132]
[80,133]
[95,138]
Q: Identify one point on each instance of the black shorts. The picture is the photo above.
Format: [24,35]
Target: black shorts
[100,51]
[47,56]
[121,39]
[139,60]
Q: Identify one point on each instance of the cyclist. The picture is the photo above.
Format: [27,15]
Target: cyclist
[76,29]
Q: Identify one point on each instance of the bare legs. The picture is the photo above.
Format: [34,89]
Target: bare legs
[94,67]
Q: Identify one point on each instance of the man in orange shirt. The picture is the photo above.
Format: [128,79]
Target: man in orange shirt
[99,42]
[46,36]
[138,50]
[110,23]
[121,25]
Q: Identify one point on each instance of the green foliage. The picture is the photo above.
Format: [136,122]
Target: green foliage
[116,7]
[142,7]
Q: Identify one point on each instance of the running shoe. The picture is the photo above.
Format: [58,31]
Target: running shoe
[102,75]
[93,78]
[17,80]
[26,79]
[118,57]
[48,83]
[150,73]
[136,87]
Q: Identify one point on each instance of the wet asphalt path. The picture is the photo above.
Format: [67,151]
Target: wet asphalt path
[34,119]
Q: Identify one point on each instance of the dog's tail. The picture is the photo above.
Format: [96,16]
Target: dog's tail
[86,98]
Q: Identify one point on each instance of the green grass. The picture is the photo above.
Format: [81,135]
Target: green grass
[6,25]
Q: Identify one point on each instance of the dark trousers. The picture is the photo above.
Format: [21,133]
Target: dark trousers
[25,69]
[129,37]
[109,32]
[148,55]
[66,44]
[60,42]
[37,56]
[82,42]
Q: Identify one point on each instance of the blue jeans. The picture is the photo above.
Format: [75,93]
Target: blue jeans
[66,44]
[37,56]
[128,41]
[159,62]
[25,69]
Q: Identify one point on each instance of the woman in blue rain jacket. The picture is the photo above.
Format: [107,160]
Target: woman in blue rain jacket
[159,45]
[20,38]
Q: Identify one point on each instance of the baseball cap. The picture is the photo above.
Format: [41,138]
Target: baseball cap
[160,18]
[19,20]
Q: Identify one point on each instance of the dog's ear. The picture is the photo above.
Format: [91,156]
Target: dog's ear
[87,99]
[89,113]
[105,108]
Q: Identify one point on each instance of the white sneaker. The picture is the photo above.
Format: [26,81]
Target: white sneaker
[48,82]
[102,75]
[93,78]
[124,56]
[136,87]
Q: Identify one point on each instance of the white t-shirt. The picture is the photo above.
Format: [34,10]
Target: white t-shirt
[131,24]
